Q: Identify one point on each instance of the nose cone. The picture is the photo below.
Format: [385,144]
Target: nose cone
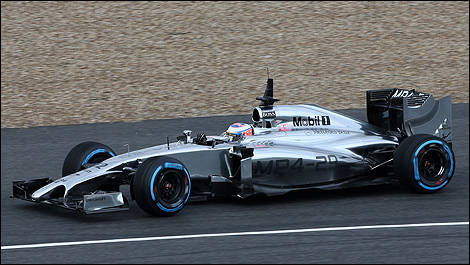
[52,190]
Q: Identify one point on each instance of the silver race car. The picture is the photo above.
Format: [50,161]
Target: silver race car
[407,139]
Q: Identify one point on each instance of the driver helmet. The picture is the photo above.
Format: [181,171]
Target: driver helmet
[239,130]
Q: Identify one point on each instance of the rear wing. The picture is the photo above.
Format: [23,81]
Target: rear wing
[410,112]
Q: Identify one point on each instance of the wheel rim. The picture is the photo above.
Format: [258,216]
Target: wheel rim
[171,189]
[433,165]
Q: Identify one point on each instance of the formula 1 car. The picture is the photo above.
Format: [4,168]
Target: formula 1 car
[407,140]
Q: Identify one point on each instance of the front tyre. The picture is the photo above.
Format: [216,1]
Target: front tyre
[83,154]
[424,163]
[161,186]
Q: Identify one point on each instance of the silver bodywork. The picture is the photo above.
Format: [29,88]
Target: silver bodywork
[325,152]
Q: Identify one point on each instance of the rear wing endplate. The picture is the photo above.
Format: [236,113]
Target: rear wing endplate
[410,112]
[432,117]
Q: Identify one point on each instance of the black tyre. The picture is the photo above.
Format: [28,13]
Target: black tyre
[85,153]
[424,163]
[161,186]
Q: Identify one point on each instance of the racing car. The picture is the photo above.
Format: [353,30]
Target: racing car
[407,140]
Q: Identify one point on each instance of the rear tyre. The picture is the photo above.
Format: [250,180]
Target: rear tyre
[161,186]
[424,163]
[83,154]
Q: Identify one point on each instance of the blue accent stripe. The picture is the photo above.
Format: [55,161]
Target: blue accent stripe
[189,181]
[153,181]
[451,160]
[433,188]
[94,153]
[170,165]
[415,164]
[169,210]
[174,165]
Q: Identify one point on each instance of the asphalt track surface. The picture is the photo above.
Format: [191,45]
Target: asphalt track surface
[36,152]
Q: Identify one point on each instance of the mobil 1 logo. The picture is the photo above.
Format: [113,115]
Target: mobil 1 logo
[311,121]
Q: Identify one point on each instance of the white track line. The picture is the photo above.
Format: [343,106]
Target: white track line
[138,239]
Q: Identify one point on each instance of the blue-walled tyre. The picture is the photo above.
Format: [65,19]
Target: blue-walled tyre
[424,163]
[161,186]
[83,154]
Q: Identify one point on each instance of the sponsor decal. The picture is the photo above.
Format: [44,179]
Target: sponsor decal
[269,114]
[96,198]
[173,165]
[326,131]
[265,143]
[284,127]
[400,93]
[60,180]
[443,129]
[269,167]
[100,165]
[312,121]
